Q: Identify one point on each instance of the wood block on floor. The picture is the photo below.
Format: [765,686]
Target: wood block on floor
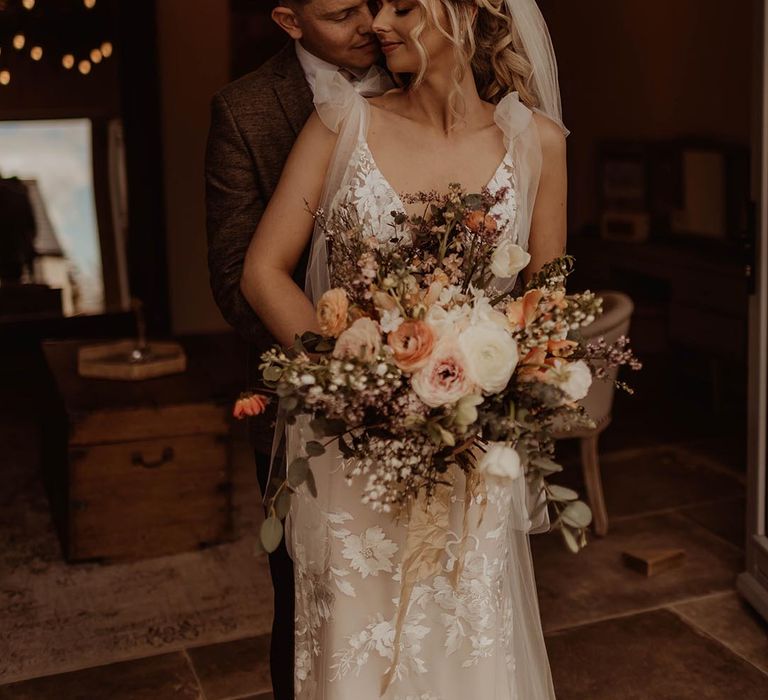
[650,562]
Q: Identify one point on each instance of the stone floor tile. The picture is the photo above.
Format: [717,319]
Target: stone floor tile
[727,519]
[650,656]
[165,677]
[233,669]
[594,584]
[733,622]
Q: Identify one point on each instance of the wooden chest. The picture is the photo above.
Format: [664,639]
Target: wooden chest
[139,469]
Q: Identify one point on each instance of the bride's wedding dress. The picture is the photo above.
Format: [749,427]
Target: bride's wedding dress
[470,626]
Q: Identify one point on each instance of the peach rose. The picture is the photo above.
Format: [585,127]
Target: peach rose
[362,340]
[250,405]
[521,312]
[444,379]
[412,344]
[332,312]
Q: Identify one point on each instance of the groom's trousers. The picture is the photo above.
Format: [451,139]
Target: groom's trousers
[281,570]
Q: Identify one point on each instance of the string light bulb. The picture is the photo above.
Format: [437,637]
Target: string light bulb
[106,49]
[18,42]
[84,67]
[36,53]
[5,77]
[28,4]
[68,61]
[96,56]
[90,4]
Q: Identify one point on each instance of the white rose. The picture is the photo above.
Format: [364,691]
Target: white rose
[491,354]
[508,259]
[574,378]
[500,460]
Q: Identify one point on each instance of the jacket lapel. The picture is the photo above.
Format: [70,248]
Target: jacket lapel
[291,88]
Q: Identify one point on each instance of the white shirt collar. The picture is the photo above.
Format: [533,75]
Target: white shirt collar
[311,64]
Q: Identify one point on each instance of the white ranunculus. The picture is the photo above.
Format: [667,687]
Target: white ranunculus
[501,460]
[491,354]
[508,259]
[449,322]
[483,311]
[574,378]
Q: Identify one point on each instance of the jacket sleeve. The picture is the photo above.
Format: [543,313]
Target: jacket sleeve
[235,202]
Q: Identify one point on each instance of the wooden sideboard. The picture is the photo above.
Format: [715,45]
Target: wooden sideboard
[140,469]
[696,287]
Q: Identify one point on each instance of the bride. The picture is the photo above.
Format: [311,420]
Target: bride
[478,104]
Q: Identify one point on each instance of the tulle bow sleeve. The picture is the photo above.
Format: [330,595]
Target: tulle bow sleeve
[335,98]
[512,117]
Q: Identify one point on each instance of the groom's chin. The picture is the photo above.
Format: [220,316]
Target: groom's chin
[365,55]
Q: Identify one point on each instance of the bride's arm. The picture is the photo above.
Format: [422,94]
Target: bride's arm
[282,235]
[548,223]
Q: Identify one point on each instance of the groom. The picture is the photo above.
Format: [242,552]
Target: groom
[254,122]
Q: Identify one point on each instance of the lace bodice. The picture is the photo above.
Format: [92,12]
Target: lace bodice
[374,199]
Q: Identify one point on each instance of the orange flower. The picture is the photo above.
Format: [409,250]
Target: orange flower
[250,405]
[561,348]
[478,221]
[521,312]
[412,344]
[530,369]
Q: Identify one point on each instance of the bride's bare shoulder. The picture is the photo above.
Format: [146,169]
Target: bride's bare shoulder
[551,135]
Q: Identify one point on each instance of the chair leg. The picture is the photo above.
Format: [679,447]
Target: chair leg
[590,465]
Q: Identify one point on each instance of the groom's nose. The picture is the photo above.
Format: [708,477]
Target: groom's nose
[366,18]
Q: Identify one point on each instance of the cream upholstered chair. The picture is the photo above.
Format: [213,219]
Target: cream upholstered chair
[613,323]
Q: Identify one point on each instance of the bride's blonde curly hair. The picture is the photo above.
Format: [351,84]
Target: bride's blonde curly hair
[484,37]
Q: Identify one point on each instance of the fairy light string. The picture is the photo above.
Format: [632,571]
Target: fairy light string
[72,35]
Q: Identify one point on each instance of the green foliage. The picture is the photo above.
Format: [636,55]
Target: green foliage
[271,533]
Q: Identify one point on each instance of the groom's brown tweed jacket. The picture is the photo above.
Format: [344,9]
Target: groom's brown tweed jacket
[254,123]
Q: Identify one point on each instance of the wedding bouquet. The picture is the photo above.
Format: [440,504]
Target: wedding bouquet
[426,362]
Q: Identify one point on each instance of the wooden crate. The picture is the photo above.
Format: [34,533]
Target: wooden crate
[137,470]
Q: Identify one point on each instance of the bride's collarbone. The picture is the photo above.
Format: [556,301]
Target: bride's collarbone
[421,151]
[411,159]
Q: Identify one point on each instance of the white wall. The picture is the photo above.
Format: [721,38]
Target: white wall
[194,54]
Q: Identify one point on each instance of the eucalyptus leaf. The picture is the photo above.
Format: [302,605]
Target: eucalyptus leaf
[561,493]
[577,514]
[335,426]
[318,426]
[272,373]
[297,472]
[289,403]
[314,448]
[570,539]
[283,503]
[547,465]
[311,485]
[271,533]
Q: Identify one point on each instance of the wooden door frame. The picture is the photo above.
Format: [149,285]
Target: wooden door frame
[753,583]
